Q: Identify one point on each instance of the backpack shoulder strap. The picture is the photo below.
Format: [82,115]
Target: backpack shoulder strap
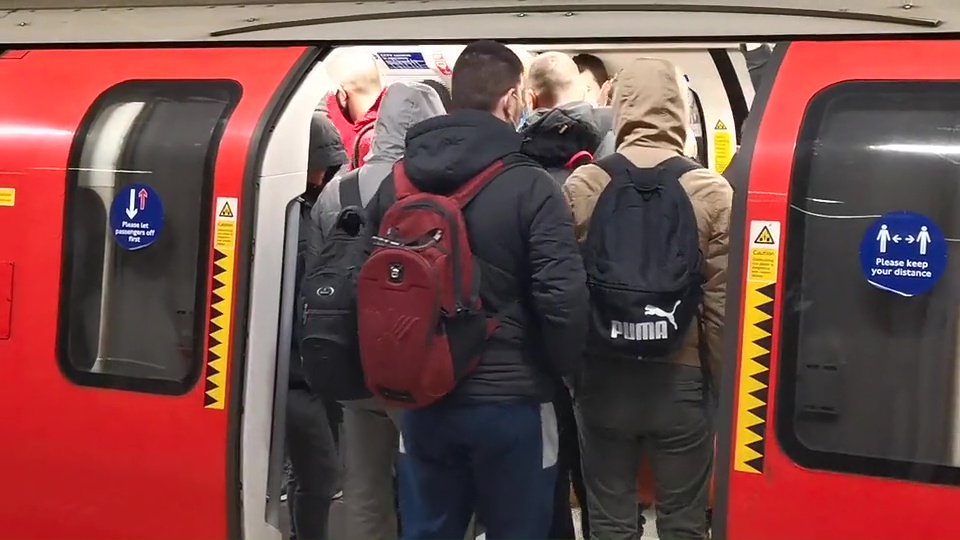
[405,188]
[678,166]
[475,185]
[620,169]
[350,189]
[355,161]
[615,165]
[402,185]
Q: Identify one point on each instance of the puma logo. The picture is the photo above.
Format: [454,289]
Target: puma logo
[668,315]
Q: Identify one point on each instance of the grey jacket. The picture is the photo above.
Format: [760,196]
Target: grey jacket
[404,105]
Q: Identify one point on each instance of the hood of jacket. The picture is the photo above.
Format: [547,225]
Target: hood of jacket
[404,105]
[650,107]
[444,152]
[326,147]
[552,136]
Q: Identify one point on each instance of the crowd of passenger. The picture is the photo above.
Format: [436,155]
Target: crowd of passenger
[539,415]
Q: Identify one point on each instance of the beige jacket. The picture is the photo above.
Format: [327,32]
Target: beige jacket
[650,119]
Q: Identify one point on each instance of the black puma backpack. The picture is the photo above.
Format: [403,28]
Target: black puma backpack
[643,261]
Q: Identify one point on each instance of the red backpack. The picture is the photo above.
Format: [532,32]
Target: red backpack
[421,324]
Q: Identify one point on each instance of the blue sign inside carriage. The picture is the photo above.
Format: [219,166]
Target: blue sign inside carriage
[903,253]
[403,60]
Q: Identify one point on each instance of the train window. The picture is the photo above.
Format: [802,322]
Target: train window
[868,380]
[134,318]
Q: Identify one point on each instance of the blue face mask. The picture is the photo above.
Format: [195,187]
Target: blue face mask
[523,120]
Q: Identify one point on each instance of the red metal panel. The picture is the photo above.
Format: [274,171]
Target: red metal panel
[787,501]
[92,462]
[6,298]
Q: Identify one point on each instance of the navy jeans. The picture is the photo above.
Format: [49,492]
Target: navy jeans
[498,459]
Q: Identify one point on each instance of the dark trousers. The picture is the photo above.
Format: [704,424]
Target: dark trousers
[497,459]
[569,473]
[628,408]
[313,457]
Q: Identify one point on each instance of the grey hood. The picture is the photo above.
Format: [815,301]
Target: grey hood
[326,147]
[404,104]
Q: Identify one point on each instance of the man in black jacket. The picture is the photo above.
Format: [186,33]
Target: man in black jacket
[310,439]
[491,445]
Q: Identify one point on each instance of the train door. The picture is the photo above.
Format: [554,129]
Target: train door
[841,419]
[127,184]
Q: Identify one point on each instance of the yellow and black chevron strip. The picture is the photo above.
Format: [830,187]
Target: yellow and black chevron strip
[221,307]
[754,376]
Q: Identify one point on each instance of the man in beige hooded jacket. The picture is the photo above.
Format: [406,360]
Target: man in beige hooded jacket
[658,408]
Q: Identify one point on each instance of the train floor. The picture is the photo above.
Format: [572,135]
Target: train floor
[338,529]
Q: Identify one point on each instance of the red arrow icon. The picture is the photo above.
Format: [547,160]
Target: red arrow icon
[143,198]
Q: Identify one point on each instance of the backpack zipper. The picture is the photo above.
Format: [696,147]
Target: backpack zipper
[457,271]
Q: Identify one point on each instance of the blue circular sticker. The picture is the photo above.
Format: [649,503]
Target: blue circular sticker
[904,253]
[136,216]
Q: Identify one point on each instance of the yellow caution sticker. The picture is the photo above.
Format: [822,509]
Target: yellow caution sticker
[722,146]
[8,196]
[764,256]
[765,237]
[225,233]
[221,303]
[225,210]
[756,344]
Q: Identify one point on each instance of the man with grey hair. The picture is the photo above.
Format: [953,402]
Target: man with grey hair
[563,131]
[354,105]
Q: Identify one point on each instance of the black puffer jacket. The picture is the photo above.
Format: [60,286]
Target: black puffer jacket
[522,232]
[554,137]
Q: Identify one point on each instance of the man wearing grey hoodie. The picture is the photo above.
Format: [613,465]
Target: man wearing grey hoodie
[370,430]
